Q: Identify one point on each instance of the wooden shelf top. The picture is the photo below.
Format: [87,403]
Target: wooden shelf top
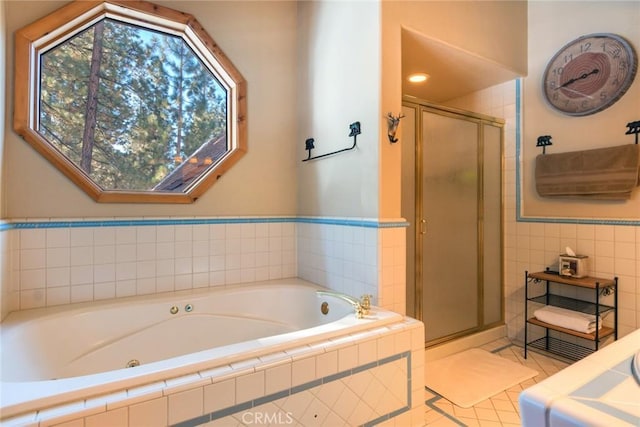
[604,331]
[585,282]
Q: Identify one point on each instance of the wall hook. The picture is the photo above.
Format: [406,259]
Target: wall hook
[392,126]
[634,129]
[544,141]
[308,144]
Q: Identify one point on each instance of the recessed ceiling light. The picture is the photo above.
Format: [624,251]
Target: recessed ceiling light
[418,77]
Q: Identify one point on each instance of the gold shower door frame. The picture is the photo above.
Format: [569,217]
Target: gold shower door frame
[419,230]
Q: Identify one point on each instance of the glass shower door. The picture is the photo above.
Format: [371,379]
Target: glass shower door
[449,228]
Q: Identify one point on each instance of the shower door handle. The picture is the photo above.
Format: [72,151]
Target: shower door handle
[423,226]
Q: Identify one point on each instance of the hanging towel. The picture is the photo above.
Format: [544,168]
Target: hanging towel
[605,173]
[569,319]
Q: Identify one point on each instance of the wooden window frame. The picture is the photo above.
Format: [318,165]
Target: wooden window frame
[68,20]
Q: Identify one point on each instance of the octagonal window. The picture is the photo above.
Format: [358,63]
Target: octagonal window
[134,105]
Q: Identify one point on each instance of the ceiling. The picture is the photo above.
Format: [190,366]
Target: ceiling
[453,72]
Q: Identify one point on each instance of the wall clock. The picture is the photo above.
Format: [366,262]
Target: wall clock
[589,74]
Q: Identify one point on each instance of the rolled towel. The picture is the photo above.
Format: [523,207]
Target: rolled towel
[569,319]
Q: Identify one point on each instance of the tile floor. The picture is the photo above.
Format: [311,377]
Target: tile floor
[501,409]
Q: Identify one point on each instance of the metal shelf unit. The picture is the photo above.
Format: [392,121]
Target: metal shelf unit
[544,296]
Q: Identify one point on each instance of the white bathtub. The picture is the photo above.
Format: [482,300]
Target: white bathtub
[54,357]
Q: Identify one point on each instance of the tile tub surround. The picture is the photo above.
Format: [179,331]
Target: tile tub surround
[372,377]
[50,263]
[368,258]
[167,335]
[597,390]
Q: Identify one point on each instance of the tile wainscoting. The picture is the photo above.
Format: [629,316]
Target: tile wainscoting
[47,263]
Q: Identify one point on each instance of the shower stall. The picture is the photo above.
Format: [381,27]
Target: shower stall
[452,197]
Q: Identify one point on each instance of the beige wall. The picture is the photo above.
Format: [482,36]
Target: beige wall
[338,81]
[260,39]
[344,51]
[495,30]
[3,52]
[4,240]
[339,67]
[549,30]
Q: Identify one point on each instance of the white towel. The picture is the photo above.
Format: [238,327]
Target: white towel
[569,319]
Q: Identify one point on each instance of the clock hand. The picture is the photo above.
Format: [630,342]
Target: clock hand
[575,79]
[578,92]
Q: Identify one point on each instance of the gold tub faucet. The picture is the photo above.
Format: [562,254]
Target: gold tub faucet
[365,303]
[357,305]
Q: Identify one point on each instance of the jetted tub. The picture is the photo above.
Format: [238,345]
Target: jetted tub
[51,357]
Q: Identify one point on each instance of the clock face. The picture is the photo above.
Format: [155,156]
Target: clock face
[589,74]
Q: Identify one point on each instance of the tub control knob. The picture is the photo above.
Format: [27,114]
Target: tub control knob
[324,308]
[174,309]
